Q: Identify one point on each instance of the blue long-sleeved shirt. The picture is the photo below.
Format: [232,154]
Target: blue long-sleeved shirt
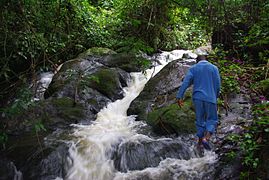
[206,82]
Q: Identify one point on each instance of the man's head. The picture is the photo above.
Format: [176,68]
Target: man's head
[200,58]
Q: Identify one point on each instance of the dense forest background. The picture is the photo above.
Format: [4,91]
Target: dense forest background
[37,36]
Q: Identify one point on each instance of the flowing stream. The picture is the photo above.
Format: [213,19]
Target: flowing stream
[93,145]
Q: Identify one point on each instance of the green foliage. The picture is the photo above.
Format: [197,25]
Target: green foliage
[230,71]
[261,114]
[39,126]
[186,32]
[94,79]
[249,146]
[144,64]
[3,139]
[133,45]
[231,155]
[258,34]
[22,102]
[142,20]
[40,34]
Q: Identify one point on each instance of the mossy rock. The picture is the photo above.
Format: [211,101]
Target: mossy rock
[63,77]
[160,91]
[127,62]
[67,109]
[106,81]
[172,119]
[96,51]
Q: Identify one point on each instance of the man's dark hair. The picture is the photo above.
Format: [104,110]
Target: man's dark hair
[200,57]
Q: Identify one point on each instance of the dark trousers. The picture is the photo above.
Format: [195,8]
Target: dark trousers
[206,117]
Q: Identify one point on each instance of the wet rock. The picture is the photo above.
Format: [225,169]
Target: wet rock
[53,114]
[36,158]
[189,55]
[228,168]
[189,62]
[156,104]
[127,62]
[171,119]
[107,82]
[69,76]
[232,122]
[53,165]
[96,52]
[138,155]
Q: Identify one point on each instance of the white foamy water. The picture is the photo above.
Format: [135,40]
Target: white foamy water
[43,84]
[173,169]
[93,144]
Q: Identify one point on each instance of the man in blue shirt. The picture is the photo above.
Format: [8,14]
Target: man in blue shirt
[206,88]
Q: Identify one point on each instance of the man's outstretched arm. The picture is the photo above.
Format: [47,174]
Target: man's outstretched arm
[186,83]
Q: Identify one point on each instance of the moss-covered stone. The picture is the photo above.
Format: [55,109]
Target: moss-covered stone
[67,72]
[96,51]
[67,109]
[127,62]
[92,101]
[156,104]
[172,119]
[106,81]
[55,86]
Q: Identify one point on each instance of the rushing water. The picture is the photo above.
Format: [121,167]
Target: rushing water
[42,85]
[92,145]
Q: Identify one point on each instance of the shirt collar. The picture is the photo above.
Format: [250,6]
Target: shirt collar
[202,61]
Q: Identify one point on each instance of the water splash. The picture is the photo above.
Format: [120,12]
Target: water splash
[42,85]
[174,169]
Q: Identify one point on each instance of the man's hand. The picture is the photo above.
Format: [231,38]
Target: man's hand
[180,103]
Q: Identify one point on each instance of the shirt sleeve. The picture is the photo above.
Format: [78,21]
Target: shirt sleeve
[188,80]
[218,82]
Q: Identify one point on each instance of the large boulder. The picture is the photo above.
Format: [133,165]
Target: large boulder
[88,82]
[96,52]
[156,104]
[34,157]
[138,154]
[171,119]
[53,165]
[127,62]
[52,113]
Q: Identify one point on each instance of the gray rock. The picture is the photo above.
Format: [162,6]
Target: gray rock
[138,155]
[156,103]
[50,167]
[189,55]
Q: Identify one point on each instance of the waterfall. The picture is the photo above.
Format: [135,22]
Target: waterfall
[42,84]
[92,145]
